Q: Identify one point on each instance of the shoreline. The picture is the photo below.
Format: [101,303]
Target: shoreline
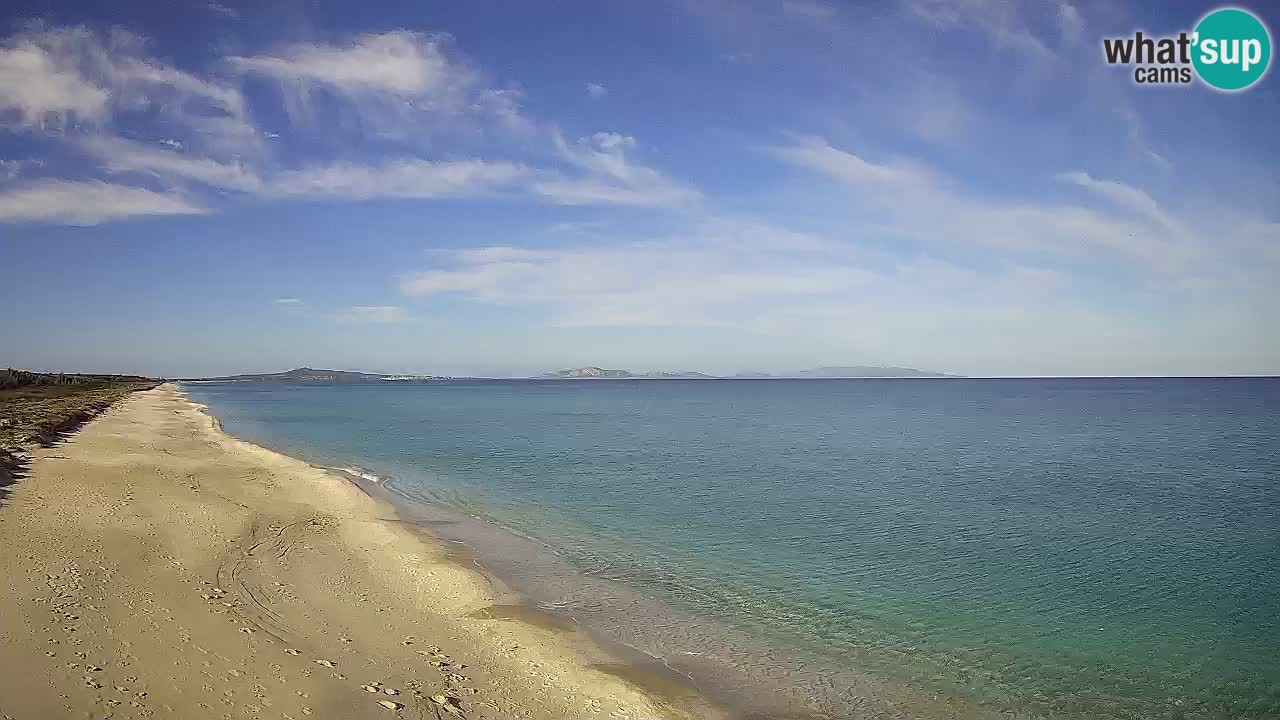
[630,663]
[668,686]
[627,662]
[752,677]
[135,544]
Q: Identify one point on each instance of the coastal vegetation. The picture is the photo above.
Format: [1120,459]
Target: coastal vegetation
[44,407]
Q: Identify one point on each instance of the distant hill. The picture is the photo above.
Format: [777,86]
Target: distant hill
[854,371]
[303,374]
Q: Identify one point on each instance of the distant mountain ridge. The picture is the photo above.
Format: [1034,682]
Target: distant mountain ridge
[592,372]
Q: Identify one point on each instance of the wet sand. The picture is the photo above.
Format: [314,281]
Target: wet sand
[157,567]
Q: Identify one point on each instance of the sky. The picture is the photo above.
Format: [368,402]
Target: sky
[505,188]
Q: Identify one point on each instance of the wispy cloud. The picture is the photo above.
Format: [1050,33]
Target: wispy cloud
[58,78]
[726,272]
[117,155]
[401,62]
[400,178]
[40,86]
[596,91]
[817,154]
[690,279]
[87,203]
[1137,136]
[1126,197]
[923,206]
[399,83]
[610,177]
[376,314]
[287,301]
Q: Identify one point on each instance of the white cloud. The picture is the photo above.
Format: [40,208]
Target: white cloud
[398,85]
[401,178]
[377,314]
[394,178]
[504,107]
[119,156]
[10,169]
[1125,196]
[816,154]
[596,91]
[400,62]
[921,206]
[87,203]
[287,301]
[610,177]
[56,79]
[703,276]
[717,273]
[39,86]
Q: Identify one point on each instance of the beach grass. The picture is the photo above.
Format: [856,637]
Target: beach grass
[43,408]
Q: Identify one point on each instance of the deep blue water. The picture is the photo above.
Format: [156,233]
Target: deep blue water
[1055,548]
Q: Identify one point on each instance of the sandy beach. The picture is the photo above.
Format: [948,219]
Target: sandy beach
[157,567]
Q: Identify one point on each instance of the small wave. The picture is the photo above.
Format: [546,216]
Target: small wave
[362,474]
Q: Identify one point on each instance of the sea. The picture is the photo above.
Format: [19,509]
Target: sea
[912,548]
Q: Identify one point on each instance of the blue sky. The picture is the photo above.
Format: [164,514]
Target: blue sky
[507,188]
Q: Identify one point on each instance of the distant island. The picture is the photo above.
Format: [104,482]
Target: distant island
[591,372]
[853,371]
[866,371]
[595,373]
[306,374]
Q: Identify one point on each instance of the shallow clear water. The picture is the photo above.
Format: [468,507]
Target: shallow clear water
[1054,548]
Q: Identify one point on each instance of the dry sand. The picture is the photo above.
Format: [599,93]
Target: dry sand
[155,567]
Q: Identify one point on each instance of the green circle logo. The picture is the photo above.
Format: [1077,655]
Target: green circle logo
[1232,49]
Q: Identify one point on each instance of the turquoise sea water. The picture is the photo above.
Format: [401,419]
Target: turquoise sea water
[1032,548]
